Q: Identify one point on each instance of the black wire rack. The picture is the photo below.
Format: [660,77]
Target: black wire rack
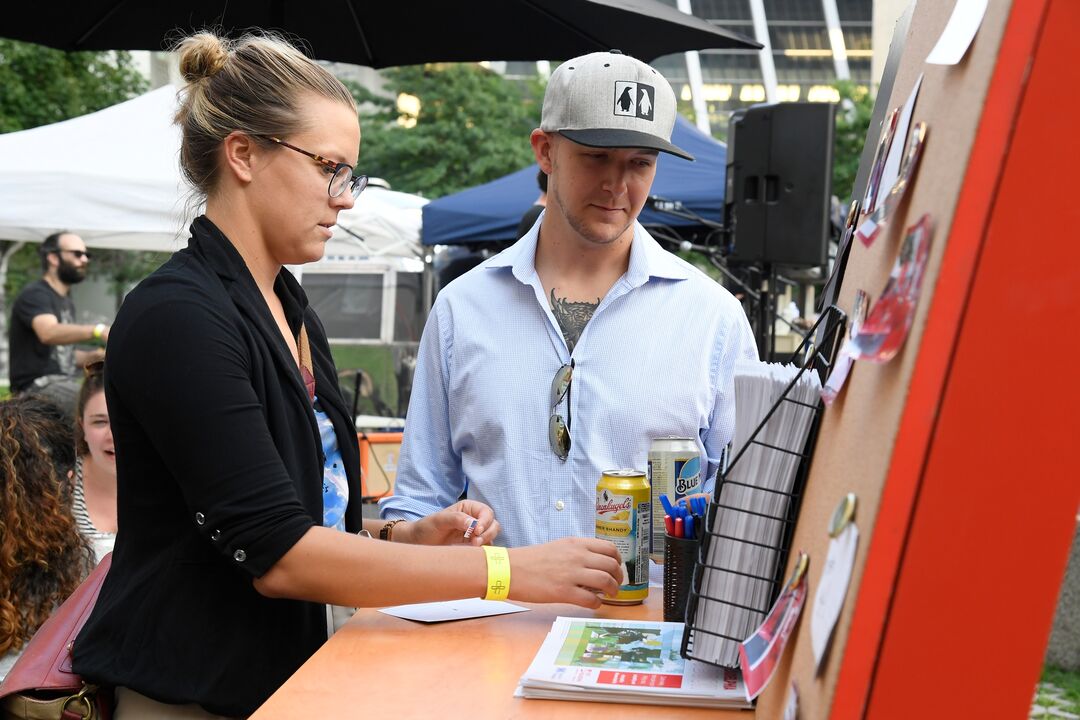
[816,353]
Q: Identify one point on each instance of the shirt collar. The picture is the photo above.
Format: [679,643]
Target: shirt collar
[647,258]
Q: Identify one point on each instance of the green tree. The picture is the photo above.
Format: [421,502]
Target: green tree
[124,268]
[23,266]
[852,122]
[472,127]
[38,86]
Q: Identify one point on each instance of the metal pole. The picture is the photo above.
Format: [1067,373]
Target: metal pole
[836,40]
[761,34]
[693,78]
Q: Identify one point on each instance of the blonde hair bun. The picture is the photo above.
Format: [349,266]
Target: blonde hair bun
[202,56]
[256,84]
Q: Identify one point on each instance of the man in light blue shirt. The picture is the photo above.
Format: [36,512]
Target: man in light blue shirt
[566,354]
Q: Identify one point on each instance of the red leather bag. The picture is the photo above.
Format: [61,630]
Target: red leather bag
[42,685]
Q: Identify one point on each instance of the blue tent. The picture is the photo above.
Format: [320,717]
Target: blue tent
[491,212]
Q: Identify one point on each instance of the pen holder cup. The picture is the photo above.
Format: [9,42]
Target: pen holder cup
[679,557]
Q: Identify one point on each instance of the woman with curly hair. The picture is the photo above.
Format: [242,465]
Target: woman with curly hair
[43,558]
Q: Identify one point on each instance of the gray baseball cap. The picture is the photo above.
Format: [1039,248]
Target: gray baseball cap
[607,99]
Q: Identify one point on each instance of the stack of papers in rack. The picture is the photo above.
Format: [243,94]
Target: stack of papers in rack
[626,661]
[748,524]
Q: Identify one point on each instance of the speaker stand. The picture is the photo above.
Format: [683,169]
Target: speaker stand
[766,312]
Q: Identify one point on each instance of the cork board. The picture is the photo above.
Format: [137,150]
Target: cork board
[858,432]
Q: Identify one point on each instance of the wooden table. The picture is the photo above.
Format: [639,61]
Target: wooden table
[379,666]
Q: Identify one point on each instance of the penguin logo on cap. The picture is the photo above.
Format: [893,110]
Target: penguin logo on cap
[634,99]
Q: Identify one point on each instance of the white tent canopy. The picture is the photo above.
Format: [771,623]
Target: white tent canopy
[113,177]
[110,176]
[382,224]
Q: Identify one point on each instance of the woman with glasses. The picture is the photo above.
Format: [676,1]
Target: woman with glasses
[237,462]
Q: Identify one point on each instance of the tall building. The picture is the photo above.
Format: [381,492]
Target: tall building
[809,45]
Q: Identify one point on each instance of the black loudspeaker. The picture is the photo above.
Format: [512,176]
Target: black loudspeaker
[779,183]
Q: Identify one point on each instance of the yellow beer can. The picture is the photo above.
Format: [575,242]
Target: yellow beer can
[624,516]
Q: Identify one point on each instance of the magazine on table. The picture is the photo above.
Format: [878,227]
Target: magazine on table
[626,661]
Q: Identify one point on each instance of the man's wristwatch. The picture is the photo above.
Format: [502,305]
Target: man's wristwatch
[99,331]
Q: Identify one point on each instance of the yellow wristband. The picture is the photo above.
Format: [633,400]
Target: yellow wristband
[99,330]
[498,572]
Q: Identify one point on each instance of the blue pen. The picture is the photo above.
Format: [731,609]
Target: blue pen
[667,505]
[688,526]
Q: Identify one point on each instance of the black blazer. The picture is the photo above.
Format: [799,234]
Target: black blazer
[220,472]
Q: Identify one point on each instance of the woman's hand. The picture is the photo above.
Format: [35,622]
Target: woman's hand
[570,570]
[448,527]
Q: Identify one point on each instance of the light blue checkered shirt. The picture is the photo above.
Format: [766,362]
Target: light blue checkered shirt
[657,358]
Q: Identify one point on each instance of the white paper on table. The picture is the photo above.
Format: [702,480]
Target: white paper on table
[955,39]
[891,170]
[434,612]
[832,588]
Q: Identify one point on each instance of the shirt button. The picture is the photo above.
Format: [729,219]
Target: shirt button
[239,556]
[200,519]
[559,504]
[216,535]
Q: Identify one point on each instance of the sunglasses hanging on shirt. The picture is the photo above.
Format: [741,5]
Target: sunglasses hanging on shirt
[559,429]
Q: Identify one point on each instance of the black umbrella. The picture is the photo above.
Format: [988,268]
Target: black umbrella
[381,34]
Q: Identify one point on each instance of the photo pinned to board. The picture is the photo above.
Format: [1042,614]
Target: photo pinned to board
[889,169]
[872,224]
[877,168]
[760,654]
[883,332]
[846,357]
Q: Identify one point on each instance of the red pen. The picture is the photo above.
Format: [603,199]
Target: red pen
[679,527]
[669,525]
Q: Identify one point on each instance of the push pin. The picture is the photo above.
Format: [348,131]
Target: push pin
[842,515]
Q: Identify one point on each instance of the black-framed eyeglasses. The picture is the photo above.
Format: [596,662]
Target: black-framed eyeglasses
[559,429]
[343,174]
[79,254]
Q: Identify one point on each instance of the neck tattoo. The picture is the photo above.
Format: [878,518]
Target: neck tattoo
[572,317]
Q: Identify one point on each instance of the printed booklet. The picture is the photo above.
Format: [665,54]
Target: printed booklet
[626,661]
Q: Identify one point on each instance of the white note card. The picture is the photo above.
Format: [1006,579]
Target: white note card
[967,16]
[832,588]
[452,610]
